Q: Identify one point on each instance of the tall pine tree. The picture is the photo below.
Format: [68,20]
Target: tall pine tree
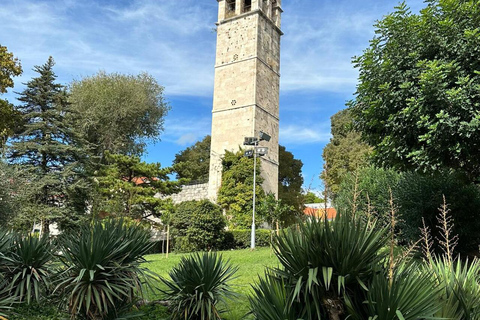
[46,149]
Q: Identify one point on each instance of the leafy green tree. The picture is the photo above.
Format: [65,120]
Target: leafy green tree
[9,68]
[9,118]
[119,113]
[9,190]
[290,183]
[311,197]
[417,101]
[128,186]
[193,163]
[46,148]
[235,195]
[344,153]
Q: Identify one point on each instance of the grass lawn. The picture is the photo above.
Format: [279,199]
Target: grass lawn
[250,263]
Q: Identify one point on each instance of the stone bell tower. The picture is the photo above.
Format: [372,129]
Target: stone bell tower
[247,84]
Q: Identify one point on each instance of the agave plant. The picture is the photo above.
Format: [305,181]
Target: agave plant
[325,261]
[198,284]
[460,282]
[103,270]
[27,266]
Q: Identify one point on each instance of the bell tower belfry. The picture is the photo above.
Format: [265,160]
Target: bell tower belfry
[247,84]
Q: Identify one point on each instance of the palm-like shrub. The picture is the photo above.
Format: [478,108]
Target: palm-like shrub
[26,266]
[324,262]
[272,300]
[197,285]
[411,294]
[103,270]
[460,283]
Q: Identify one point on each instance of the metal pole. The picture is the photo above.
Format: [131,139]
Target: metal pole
[252,240]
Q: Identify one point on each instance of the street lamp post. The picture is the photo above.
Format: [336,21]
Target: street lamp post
[260,152]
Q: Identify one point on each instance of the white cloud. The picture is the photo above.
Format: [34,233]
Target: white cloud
[185,131]
[298,135]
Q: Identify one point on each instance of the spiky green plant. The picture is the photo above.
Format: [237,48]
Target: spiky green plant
[103,270]
[460,282]
[27,266]
[271,300]
[325,261]
[198,284]
[409,295]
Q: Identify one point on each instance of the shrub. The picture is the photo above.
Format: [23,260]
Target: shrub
[26,266]
[197,285]
[420,196]
[240,238]
[198,225]
[103,272]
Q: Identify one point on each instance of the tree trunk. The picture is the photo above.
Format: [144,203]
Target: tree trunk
[168,239]
[334,308]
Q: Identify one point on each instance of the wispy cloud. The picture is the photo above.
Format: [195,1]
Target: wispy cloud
[185,131]
[299,135]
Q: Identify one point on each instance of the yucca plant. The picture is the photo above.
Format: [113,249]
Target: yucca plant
[6,300]
[27,266]
[271,300]
[460,282]
[103,270]
[198,284]
[411,294]
[325,261]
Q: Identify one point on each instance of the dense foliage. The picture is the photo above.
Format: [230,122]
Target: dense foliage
[346,152]
[46,148]
[235,195]
[198,286]
[198,225]
[118,112]
[127,186]
[417,101]
[193,163]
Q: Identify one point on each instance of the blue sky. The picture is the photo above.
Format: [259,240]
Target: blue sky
[174,41]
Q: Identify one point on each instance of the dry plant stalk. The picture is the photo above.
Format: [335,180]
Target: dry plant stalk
[393,223]
[407,254]
[370,212]
[427,242]
[448,240]
[356,194]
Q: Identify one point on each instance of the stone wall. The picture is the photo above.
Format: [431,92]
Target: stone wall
[191,192]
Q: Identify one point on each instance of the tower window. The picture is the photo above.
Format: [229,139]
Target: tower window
[247,6]
[230,8]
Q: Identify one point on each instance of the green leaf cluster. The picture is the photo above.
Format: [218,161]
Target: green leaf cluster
[235,195]
[128,187]
[117,112]
[193,163]
[346,152]
[198,226]
[417,101]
